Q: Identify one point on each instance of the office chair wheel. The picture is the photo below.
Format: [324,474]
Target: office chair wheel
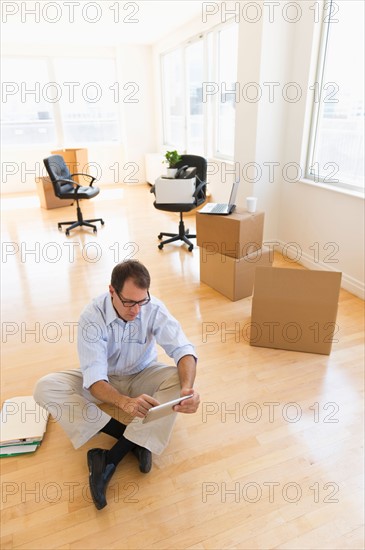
[59,226]
[160,246]
[67,232]
[102,222]
[159,236]
[191,248]
[95,230]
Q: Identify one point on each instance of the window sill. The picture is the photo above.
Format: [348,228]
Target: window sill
[328,187]
[222,160]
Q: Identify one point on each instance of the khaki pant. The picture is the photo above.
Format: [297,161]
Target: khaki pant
[77,411]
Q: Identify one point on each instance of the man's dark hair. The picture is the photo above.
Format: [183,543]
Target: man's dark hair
[130,269]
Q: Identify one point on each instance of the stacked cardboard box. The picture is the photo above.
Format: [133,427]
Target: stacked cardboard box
[292,309]
[47,195]
[231,250]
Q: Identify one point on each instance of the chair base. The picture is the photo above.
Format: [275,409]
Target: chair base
[181,236]
[80,221]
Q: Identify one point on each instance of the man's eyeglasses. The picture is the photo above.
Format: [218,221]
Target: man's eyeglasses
[131,303]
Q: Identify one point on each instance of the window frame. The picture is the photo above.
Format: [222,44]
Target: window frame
[216,99]
[316,109]
[211,105]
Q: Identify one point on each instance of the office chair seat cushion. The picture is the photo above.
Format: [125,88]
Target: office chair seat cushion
[68,192]
[176,207]
[67,188]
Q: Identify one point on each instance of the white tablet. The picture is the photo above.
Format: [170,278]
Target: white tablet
[164,409]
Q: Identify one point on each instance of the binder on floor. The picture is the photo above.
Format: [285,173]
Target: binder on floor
[22,426]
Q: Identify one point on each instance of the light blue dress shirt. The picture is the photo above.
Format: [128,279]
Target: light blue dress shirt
[107,345]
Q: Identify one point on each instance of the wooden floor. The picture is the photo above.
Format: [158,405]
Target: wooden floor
[274,457]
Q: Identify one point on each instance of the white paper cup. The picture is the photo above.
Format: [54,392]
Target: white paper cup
[251,203]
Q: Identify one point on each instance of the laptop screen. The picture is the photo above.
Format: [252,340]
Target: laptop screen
[232,198]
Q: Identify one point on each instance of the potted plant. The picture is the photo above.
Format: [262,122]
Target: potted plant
[172,158]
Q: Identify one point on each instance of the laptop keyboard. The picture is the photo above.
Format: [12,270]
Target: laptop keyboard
[219,208]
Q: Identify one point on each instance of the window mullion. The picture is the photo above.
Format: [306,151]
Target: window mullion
[56,106]
[317,103]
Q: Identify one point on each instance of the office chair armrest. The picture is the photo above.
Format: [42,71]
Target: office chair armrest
[75,185]
[198,189]
[87,175]
[66,180]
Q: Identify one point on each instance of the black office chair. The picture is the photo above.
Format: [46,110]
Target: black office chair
[199,197]
[66,188]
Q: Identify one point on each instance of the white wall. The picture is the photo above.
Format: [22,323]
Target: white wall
[139,117]
[327,225]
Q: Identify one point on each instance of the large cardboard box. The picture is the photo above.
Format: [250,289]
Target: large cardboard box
[77,161]
[234,278]
[295,309]
[235,235]
[47,196]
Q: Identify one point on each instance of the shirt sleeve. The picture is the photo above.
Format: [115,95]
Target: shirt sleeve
[170,336]
[92,348]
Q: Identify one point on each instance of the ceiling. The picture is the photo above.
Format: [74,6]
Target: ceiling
[95,22]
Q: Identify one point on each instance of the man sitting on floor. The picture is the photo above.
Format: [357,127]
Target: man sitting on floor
[117,336]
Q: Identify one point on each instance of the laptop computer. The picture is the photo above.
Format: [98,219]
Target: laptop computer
[222,209]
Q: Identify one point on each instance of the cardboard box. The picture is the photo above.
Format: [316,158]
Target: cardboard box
[77,161]
[174,191]
[47,195]
[232,277]
[295,309]
[236,235]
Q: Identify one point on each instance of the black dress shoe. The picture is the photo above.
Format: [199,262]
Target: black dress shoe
[144,458]
[100,474]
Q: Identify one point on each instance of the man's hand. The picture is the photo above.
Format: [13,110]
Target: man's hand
[188,405]
[139,406]
[132,406]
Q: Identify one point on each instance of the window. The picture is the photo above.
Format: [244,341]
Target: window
[26,110]
[88,110]
[194,93]
[173,78]
[227,76]
[336,150]
[198,93]
[57,101]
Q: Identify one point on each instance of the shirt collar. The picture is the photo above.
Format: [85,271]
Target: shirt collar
[111,315]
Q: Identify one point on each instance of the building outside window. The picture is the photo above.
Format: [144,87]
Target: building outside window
[54,101]
[27,114]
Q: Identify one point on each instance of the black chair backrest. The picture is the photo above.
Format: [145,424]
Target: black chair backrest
[57,170]
[197,162]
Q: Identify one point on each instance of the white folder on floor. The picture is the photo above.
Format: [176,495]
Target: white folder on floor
[22,421]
